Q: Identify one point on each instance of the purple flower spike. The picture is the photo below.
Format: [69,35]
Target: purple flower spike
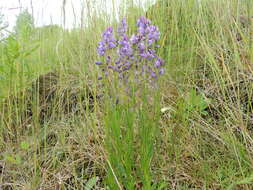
[108,42]
[137,54]
[108,33]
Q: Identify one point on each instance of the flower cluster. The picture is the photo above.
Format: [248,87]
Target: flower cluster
[144,41]
[108,42]
[135,54]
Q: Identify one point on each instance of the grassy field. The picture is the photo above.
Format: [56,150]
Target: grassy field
[62,128]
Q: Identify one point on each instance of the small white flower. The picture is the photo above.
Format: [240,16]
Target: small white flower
[165,109]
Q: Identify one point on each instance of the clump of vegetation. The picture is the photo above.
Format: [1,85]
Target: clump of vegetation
[173,108]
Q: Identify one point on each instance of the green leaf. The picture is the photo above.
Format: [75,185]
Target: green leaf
[24,145]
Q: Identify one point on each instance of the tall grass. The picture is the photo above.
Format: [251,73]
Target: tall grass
[60,128]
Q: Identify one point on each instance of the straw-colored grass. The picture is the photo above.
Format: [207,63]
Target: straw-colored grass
[59,129]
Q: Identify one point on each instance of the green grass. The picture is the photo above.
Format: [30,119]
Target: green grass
[56,132]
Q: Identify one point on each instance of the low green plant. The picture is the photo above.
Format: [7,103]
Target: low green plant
[131,132]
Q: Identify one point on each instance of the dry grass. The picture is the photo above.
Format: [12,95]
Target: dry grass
[57,132]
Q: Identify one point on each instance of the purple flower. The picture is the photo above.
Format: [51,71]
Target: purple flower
[161,71]
[158,63]
[134,39]
[153,33]
[108,42]
[99,63]
[125,47]
[117,62]
[147,55]
[127,67]
[153,74]
[101,48]
[150,42]
[111,67]
[136,54]
[141,30]
[122,29]
[141,46]
[108,33]
[111,45]
[143,22]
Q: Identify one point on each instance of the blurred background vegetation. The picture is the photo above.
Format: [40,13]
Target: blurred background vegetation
[56,132]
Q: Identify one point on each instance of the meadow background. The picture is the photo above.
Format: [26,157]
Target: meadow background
[59,129]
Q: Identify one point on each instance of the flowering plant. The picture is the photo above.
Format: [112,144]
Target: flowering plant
[134,59]
[136,54]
